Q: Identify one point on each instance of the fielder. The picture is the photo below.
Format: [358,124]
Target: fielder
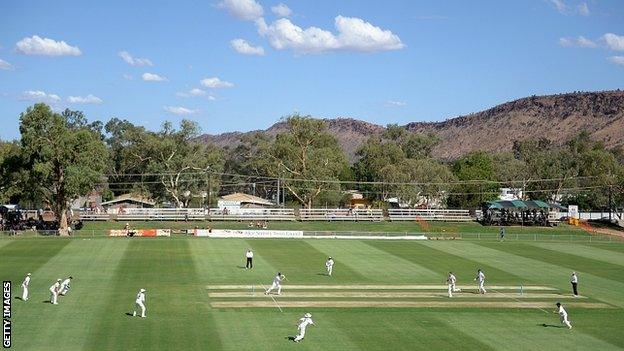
[451,280]
[65,285]
[302,325]
[140,303]
[54,291]
[481,280]
[277,283]
[25,285]
[563,314]
[329,265]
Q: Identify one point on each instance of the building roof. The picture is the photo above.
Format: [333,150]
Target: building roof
[246,198]
[519,205]
[130,197]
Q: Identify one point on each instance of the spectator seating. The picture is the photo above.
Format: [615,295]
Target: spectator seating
[412,214]
[340,214]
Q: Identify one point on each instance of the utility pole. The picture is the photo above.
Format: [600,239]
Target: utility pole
[278,192]
[209,189]
[610,201]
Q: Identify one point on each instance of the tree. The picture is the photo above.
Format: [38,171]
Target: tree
[176,165]
[475,172]
[304,156]
[64,154]
[13,174]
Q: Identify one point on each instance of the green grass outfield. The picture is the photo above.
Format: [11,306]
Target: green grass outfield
[190,307]
[385,226]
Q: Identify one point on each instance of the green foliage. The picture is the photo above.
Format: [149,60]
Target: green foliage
[306,152]
[64,154]
[478,166]
[399,156]
[171,164]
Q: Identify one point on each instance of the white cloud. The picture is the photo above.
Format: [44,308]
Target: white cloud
[281,10]
[134,61]
[195,92]
[153,77]
[579,41]
[583,9]
[396,103]
[243,47]
[559,5]
[354,34]
[614,41]
[618,60]
[40,96]
[247,10]
[179,110]
[5,65]
[215,82]
[89,99]
[36,45]
[127,76]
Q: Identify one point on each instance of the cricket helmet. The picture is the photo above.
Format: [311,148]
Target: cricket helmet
[308,315]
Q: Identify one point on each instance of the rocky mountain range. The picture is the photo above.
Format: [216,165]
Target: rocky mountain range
[555,117]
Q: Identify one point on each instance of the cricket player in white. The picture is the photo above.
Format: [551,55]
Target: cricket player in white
[481,280]
[563,314]
[54,291]
[451,280]
[25,285]
[140,303]
[329,265]
[65,285]
[302,324]
[277,283]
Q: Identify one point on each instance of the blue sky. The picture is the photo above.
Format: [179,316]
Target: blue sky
[244,64]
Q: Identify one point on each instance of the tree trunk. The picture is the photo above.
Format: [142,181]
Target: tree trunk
[63,223]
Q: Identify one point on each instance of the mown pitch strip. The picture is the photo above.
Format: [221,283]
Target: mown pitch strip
[393,296]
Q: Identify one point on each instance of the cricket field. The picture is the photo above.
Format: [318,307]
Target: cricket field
[383,295]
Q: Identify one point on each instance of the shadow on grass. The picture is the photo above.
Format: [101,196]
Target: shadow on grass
[129,314]
[550,325]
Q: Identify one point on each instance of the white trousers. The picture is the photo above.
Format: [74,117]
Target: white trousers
[301,334]
[329,270]
[24,293]
[452,289]
[273,286]
[53,297]
[481,288]
[139,306]
[566,322]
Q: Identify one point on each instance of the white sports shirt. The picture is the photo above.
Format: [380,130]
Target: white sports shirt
[304,322]
[480,276]
[26,281]
[574,278]
[451,279]
[140,298]
[249,254]
[65,282]
[562,312]
[329,263]
[55,286]
[278,279]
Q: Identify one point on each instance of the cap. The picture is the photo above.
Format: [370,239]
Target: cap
[142,290]
[28,274]
[58,280]
[308,315]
